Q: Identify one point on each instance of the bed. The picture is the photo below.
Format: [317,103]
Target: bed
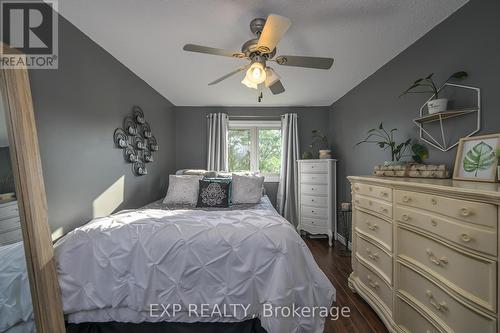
[127,267]
[16,311]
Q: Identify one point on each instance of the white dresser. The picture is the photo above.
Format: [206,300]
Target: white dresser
[425,253]
[317,197]
[10,224]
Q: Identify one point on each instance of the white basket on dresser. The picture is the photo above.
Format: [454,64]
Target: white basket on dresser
[317,208]
[425,253]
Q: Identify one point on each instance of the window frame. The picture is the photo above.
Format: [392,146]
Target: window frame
[254,126]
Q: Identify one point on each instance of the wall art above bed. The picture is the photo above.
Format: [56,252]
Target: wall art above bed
[137,141]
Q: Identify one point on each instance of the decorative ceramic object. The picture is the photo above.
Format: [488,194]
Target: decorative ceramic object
[437,105]
[325,154]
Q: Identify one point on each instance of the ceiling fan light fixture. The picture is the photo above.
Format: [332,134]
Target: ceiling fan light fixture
[256,73]
[249,83]
[271,77]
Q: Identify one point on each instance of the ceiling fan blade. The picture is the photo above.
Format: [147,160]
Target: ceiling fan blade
[277,88]
[308,62]
[213,51]
[275,28]
[241,69]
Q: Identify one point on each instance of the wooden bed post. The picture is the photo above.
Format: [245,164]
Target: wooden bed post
[30,190]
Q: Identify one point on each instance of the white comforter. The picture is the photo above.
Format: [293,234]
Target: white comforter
[16,311]
[115,268]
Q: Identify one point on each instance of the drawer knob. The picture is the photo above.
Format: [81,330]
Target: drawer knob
[465,212]
[384,194]
[312,200]
[440,306]
[372,256]
[372,226]
[370,188]
[465,237]
[434,201]
[370,202]
[372,283]
[356,188]
[405,217]
[434,222]
[384,210]
[435,260]
[406,199]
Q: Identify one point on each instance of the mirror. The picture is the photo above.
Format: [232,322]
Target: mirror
[16,310]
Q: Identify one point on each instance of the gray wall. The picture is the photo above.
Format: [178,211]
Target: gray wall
[191,131]
[77,109]
[468,40]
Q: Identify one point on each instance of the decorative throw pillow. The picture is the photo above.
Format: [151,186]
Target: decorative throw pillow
[213,193]
[182,190]
[246,189]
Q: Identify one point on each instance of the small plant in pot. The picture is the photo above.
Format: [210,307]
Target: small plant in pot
[427,85]
[386,140]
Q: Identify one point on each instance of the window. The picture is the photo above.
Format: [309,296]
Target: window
[255,146]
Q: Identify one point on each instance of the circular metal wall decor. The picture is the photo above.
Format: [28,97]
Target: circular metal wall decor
[137,141]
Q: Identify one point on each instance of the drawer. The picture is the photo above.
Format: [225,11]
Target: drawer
[458,317]
[411,320]
[375,257]
[314,178]
[377,228]
[474,212]
[469,275]
[10,237]
[314,189]
[316,212]
[468,235]
[9,224]
[314,167]
[377,206]
[9,210]
[373,191]
[374,283]
[314,222]
[313,201]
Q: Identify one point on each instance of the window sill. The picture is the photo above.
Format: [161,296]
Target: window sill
[271,179]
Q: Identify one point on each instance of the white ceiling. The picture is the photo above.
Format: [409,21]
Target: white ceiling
[147,37]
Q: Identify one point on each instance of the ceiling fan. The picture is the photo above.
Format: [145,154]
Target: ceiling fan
[261,50]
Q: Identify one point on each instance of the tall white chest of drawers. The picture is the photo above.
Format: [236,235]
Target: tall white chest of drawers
[425,253]
[317,197]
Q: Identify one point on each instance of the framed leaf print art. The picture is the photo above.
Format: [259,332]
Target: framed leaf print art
[477,158]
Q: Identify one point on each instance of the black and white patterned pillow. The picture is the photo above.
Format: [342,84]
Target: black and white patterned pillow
[213,194]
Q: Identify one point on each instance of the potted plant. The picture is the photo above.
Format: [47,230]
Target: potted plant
[427,86]
[319,140]
[385,139]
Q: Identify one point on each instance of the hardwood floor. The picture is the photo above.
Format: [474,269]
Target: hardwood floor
[337,268]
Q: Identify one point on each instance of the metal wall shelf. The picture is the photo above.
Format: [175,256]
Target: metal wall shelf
[441,116]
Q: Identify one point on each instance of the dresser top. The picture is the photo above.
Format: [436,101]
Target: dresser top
[316,160]
[470,188]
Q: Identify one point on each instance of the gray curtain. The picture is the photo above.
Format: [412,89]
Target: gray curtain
[217,142]
[287,189]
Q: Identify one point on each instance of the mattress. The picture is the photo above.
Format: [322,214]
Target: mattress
[16,311]
[238,264]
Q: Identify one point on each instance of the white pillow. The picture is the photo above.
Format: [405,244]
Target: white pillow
[246,189]
[182,190]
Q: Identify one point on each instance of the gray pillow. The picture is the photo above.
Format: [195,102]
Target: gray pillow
[246,189]
[182,190]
